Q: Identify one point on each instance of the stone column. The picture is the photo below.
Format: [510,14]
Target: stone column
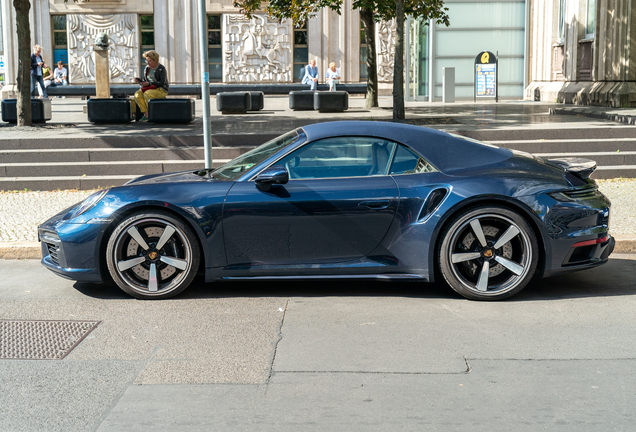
[177,39]
[10,50]
[102,67]
[336,38]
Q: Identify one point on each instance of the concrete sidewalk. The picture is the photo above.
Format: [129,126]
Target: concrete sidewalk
[314,356]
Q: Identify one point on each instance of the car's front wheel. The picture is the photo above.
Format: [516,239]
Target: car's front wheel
[488,253]
[152,255]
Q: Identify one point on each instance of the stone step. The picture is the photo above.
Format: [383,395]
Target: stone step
[135,141]
[122,154]
[127,168]
[601,158]
[610,172]
[570,145]
[618,131]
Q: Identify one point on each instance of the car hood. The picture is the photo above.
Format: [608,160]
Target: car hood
[175,177]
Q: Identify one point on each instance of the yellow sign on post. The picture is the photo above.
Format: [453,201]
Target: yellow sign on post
[486,70]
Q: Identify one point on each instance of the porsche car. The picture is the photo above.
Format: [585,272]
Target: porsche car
[348,199]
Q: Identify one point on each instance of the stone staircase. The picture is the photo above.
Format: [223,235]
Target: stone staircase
[613,148]
[80,163]
[94,164]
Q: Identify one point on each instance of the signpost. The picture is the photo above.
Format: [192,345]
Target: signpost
[486,75]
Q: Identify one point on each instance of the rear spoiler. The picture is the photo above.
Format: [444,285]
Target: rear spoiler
[579,166]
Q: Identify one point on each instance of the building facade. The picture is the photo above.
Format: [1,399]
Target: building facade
[574,51]
[263,50]
[240,50]
[583,52]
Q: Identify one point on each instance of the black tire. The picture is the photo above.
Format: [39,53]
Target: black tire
[488,253]
[138,249]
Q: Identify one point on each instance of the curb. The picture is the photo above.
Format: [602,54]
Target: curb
[619,118]
[625,243]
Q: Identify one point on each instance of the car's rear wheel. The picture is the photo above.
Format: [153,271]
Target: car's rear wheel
[152,255]
[488,253]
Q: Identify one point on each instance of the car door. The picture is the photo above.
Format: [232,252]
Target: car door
[336,207]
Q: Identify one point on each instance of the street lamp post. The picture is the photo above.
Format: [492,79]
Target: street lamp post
[205,82]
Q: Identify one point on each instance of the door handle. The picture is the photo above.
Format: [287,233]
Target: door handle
[376,205]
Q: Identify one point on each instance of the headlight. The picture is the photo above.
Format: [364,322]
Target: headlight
[89,203]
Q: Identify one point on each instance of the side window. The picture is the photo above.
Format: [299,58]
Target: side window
[408,162]
[340,157]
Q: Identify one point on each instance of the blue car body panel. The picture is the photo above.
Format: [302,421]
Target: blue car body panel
[342,227]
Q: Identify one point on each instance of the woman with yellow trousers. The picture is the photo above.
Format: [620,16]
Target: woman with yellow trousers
[154,84]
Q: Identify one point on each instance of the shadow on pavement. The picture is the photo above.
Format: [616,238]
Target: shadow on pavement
[616,278]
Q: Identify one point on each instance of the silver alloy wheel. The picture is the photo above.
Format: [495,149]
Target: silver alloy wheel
[490,255]
[152,257]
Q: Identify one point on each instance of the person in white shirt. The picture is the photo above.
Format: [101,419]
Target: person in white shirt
[333,76]
[59,76]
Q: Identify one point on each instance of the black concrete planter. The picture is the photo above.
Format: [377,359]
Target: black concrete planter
[233,102]
[109,110]
[301,100]
[171,110]
[40,110]
[336,101]
[258,100]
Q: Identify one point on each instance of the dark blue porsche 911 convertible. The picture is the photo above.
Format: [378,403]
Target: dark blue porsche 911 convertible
[342,200]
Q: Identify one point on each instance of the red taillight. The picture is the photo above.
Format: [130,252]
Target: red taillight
[590,242]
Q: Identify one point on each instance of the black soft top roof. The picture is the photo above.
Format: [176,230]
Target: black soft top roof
[446,152]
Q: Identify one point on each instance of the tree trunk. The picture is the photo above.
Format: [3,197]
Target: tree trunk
[372,70]
[398,71]
[24,61]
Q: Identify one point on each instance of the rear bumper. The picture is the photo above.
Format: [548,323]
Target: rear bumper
[592,256]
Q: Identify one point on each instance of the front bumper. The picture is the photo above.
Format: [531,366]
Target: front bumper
[72,250]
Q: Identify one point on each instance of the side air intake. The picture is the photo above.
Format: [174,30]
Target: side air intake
[432,202]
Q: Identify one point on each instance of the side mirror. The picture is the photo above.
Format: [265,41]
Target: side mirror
[276,174]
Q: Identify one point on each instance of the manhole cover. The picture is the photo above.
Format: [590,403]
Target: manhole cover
[41,340]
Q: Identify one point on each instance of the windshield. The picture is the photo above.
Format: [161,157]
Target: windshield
[239,166]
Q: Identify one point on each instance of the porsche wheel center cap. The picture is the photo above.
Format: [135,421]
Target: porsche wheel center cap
[488,253]
[153,255]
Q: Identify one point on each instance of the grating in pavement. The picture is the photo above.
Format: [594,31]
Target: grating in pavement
[41,340]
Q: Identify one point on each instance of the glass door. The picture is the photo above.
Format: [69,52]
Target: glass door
[417,60]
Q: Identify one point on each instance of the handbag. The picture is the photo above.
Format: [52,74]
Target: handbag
[150,87]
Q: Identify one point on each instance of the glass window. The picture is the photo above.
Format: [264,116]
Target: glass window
[215,54]
[363,54]
[340,157]
[60,42]
[562,6]
[409,162]
[242,164]
[590,20]
[301,52]
[147,36]
[485,15]
[470,43]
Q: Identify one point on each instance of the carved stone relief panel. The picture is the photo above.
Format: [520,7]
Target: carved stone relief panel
[257,49]
[101,6]
[123,49]
[387,31]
